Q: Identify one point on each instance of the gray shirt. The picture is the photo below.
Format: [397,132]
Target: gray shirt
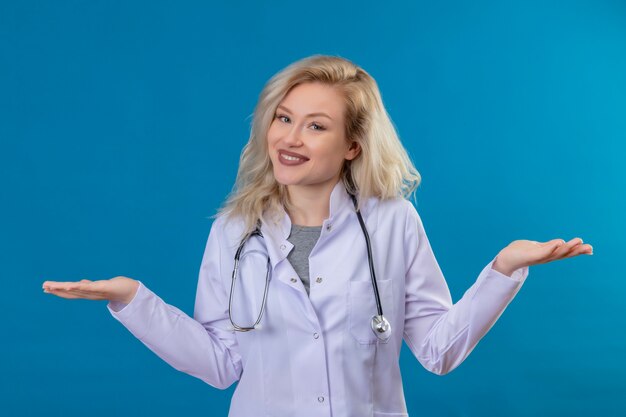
[303,239]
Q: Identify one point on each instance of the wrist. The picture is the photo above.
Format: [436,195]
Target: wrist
[130,294]
[133,293]
[502,267]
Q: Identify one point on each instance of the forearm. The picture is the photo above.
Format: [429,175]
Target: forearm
[456,332]
[178,339]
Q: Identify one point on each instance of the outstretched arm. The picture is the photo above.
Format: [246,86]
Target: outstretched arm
[200,346]
[441,334]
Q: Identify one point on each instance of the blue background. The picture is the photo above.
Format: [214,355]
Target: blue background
[121,125]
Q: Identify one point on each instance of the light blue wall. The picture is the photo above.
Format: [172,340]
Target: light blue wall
[121,125]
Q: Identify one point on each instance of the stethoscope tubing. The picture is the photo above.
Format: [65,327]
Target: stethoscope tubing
[380,326]
[379,307]
[234,278]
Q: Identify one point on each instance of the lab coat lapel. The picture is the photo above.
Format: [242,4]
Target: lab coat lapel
[277,232]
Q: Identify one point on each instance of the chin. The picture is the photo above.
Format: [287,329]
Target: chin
[285,181]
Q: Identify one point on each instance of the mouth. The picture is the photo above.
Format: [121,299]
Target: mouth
[290,158]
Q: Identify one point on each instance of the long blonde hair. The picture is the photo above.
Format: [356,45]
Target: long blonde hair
[382,169]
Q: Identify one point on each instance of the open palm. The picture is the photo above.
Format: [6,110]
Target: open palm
[120,289]
[520,253]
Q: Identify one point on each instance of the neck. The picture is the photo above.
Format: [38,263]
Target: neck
[311,204]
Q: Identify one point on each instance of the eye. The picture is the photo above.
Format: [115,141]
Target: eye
[319,126]
[316,125]
[280,116]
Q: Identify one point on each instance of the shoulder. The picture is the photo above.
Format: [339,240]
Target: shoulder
[396,216]
[397,207]
[227,230]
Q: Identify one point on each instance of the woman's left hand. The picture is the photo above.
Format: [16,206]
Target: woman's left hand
[521,253]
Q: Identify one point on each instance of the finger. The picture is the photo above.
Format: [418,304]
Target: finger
[63,294]
[89,295]
[565,247]
[576,241]
[580,250]
[85,290]
[51,286]
[70,286]
[58,284]
[60,288]
[73,295]
[552,250]
[80,286]
[75,286]
[549,251]
[573,245]
[571,248]
[555,244]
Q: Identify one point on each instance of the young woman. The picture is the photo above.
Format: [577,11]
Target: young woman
[318,266]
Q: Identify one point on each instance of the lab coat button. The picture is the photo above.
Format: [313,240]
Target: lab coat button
[320,399]
[318,280]
[293,280]
[329,226]
[316,335]
[282,247]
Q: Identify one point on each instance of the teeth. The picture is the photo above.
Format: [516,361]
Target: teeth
[290,158]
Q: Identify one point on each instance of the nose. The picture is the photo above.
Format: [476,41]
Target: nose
[292,137]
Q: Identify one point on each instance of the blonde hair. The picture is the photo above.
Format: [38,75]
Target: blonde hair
[382,169]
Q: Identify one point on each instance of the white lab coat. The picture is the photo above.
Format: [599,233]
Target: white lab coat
[316,355]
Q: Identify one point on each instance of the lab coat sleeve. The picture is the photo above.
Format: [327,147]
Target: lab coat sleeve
[441,335]
[201,346]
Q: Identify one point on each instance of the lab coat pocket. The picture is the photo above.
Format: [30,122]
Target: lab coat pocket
[362,307]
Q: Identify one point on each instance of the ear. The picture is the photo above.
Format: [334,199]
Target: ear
[353,151]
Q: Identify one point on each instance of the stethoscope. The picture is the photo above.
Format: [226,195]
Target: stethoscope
[379,324]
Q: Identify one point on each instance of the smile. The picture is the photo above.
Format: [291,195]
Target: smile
[290,160]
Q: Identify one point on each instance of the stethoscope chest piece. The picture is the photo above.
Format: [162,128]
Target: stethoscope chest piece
[381,328]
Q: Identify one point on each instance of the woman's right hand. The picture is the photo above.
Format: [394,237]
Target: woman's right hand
[120,289]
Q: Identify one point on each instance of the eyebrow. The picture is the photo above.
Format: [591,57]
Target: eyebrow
[308,115]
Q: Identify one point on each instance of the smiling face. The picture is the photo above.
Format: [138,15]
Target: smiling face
[306,140]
